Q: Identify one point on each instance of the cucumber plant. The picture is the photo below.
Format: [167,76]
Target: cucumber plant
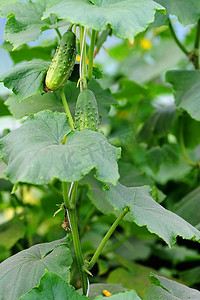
[68,149]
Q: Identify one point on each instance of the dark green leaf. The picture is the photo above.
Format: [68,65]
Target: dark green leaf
[165,289]
[41,155]
[27,79]
[34,104]
[11,232]
[52,287]
[188,12]
[186,85]
[22,271]
[26,53]
[191,276]
[147,212]
[126,17]
[3,109]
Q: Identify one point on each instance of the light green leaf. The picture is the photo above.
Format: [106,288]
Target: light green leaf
[27,79]
[145,211]
[40,155]
[188,207]
[96,289]
[24,22]
[126,17]
[186,85]
[52,287]
[165,289]
[11,232]
[188,12]
[6,2]
[22,271]
[2,169]
[128,295]
[34,104]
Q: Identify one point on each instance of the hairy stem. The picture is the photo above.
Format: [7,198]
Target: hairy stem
[106,238]
[83,60]
[58,33]
[64,101]
[77,248]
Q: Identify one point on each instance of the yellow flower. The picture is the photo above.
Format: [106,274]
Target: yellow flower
[145,44]
[107,293]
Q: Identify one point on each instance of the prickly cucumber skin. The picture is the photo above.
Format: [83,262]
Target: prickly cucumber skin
[62,63]
[86,113]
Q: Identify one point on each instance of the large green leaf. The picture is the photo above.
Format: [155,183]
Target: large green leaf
[145,211]
[2,169]
[5,2]
[189,206]
[188,12]
[53,287]
[27,79]
[186,85]
[24,22]
[126,17]
[128,295]
[22,271]
[165,289]
[40,155]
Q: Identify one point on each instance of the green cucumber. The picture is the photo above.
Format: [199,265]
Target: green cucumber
[62,63]
[86,113]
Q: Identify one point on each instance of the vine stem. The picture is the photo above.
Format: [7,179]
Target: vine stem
[83,60]
[105,239]
[64,101]
[58,33]
[182,145]
[196,46]
[91,54]
[181,46]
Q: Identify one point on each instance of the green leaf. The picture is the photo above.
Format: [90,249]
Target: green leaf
[189,206]
[34,104]
[158,156]
[24,22]
[42,156]
[147,212]
[27,79]
[128,295]
[191,276]
[158,124]
[188,12]
[52,287]
[186,85]
[2,169]
[165,289]
[22,271]
[11,232]
[3,109]
[126,17]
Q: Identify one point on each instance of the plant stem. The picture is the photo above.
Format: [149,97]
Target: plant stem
[106,238]
[77,249]
[73,197]
[182,145]
[58,33]
[181,46]
[64,101]
[91,54]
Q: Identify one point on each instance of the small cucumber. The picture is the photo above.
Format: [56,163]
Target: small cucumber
[86,113]
[62,63]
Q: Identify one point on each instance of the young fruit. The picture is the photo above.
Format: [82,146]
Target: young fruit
[86,114]
[62,63]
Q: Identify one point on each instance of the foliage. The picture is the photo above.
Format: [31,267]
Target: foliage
[112,154]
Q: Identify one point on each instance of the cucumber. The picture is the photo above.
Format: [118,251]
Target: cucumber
[86,113]
[62,63]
